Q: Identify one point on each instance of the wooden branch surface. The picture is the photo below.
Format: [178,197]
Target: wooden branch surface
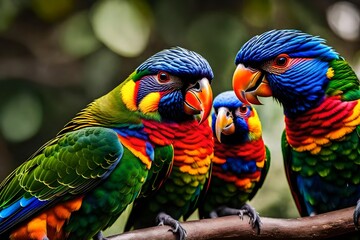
[321,226]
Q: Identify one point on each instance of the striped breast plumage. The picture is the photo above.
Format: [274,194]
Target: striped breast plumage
[240,165]
[325,156]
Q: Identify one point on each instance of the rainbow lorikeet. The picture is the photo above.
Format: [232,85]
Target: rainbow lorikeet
[179,195]
[320,95]
[241,160]
[79,183]
[183,189]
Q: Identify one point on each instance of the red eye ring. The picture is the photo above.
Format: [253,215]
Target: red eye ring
[163,77]
[282,60]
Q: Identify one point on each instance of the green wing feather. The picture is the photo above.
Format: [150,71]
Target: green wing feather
[200,200]
[160,169]
[264,173]
[290,176]
[159,172]
[71,164]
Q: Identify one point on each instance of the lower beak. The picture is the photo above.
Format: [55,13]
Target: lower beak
[224,123]
[198,99]
[249,83]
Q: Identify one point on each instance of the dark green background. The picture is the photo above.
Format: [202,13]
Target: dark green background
[57,56]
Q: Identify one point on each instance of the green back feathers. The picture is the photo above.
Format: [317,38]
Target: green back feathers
[344,81]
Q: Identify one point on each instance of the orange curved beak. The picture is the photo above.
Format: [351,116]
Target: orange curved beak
[198,99]
[250,83]
[224,123]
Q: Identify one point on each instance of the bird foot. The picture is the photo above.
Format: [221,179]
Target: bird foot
[99,236]
[357,215]
[165,219]
[213,214]
[255,220]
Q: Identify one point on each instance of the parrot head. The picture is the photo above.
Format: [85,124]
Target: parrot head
[289,65]
[234,122]
[172,85]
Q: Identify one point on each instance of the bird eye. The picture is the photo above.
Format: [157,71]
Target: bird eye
[243,109]
[163,77]
[281,60]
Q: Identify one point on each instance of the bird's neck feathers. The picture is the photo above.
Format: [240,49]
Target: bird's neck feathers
[343,81]
[301,88]
[255,130]
[317,82]
[110,110]
[334,117]
[147,106]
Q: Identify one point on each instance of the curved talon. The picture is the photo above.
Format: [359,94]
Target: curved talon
[213,214]
[255,220]
[241,214]
[176,228]
[165,219]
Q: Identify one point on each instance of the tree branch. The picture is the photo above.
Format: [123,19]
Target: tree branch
[322,226]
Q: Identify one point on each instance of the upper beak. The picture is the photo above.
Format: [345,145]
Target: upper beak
[224,123]
[250,83]
[198,99]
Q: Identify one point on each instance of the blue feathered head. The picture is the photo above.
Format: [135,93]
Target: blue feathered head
[177,61]
[289,65]
[172,85]
[295,43]
[231,122]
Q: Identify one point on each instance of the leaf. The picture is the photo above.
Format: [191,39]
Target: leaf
[21,117]
[77,37]
[122,25]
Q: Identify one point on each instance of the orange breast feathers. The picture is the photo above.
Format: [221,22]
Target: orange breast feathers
[48,223]
[193,143]
[331,120]
[194,148]
[248,153]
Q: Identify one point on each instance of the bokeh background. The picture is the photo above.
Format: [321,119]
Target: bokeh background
[57,56]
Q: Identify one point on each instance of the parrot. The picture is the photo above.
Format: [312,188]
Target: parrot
[320,96]
[182,191]
[180,194]
[78,183]
[241,160]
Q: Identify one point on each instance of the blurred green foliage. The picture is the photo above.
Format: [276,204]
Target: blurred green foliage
[57,56]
